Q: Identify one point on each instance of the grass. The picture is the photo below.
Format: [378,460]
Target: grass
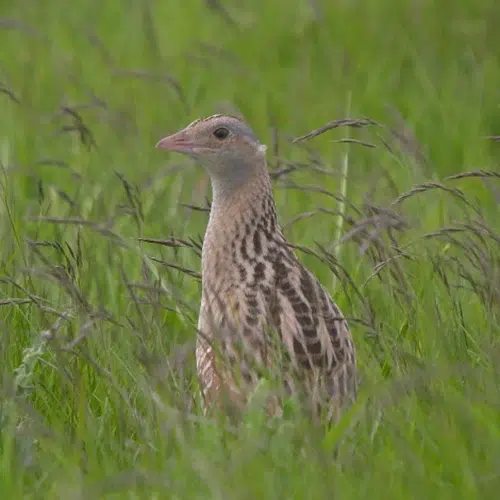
[96,351]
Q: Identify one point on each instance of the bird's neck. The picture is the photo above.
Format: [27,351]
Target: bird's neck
[239,195]
[236,215]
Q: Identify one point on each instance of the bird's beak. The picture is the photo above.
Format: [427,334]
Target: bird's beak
[178,142]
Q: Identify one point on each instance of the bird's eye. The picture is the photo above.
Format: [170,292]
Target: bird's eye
[221,133]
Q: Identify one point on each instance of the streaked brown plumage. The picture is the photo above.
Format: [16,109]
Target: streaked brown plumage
[256,293]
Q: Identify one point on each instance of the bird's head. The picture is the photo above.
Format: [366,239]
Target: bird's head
[226,146]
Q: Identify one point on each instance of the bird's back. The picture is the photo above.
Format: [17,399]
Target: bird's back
[263,310]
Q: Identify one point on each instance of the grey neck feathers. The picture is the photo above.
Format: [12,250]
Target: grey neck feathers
[239,186]
[241,205]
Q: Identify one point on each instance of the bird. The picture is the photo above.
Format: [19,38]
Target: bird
[262,311]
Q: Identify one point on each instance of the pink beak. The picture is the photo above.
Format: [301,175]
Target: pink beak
[178,142]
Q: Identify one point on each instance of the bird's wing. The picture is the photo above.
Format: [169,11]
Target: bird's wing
[313,328]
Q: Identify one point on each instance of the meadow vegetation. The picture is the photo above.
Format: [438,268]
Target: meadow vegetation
[400,221]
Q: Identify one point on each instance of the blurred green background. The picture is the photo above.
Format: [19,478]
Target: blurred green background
[98,327]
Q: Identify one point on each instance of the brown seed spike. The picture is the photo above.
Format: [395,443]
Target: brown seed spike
[253,283]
